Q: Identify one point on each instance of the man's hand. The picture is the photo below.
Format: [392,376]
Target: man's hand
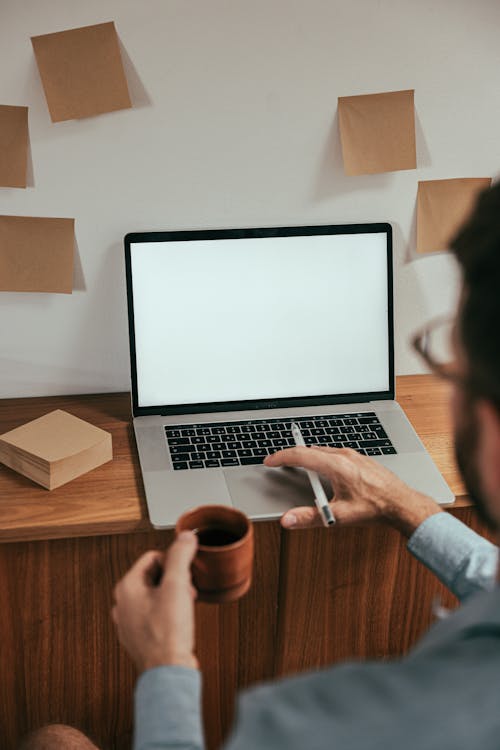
[364,490]
[154,612]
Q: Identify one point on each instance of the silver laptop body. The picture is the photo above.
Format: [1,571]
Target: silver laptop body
[236,333]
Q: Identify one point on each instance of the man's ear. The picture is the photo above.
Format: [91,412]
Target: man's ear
[488,456]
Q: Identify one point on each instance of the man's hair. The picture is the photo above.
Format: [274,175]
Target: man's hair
[477,249]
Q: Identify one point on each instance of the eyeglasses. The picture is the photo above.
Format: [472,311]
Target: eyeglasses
[436,345]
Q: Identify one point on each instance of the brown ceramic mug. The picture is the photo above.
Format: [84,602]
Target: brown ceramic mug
[222,567]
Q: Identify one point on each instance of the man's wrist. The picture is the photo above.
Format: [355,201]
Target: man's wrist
[169,660]
[407,512]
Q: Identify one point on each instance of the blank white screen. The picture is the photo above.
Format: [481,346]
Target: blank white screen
[260,318]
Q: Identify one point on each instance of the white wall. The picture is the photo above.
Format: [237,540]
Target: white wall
[234,124]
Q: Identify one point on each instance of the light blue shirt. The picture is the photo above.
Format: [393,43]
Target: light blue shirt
[442,696]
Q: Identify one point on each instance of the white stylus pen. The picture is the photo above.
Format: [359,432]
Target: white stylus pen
[319,494]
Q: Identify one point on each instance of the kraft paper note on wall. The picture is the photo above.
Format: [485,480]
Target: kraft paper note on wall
[442,207]
[36,254]
[82,71]
[377,132]
[13,146]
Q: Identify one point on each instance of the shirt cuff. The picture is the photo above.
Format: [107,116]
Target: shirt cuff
[462,559]
[168,709]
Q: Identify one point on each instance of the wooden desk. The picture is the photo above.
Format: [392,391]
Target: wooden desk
[64,550]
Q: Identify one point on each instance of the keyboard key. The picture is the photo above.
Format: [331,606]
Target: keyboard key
[179,453]
[196,440]
[251,460]
[203,430]
[172,433]
[214,454]
[218,430]
[244,453]
[187,433]
[372,419]
[248,443]
[212,463]
[374,443]
[178,441]
[232,429]
[180,465]
[233,446]
[280,442]
[260,435]
[229,462]
[196,464]
[260,452]
[388,451]
[351,444]
[229,454]
[373,452]
[264,443]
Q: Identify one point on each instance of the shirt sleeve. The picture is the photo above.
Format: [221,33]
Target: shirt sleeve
[168,709]
[462,559]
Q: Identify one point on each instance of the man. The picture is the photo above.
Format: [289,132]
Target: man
[444,694]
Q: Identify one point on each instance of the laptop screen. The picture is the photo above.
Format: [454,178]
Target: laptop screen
[259,317]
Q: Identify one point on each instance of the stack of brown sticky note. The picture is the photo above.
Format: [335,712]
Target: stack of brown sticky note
[55,448]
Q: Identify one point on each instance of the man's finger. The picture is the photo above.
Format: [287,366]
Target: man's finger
[138,573]
[180,555]
[346,512]
[144,563]
[307,458]
[301,518]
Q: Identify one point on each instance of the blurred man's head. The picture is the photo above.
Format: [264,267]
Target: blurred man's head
[477,402]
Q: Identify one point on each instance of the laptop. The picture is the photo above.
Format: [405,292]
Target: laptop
[237,333]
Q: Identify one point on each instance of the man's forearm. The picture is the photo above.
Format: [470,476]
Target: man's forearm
[462,559]
[168,710]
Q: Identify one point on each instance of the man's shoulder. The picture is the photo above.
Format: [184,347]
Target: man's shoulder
[379,704]
[476,621]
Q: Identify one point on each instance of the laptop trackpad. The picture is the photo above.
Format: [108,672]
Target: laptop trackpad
[268,493]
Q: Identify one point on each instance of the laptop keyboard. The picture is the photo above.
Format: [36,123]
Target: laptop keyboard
[225,444]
